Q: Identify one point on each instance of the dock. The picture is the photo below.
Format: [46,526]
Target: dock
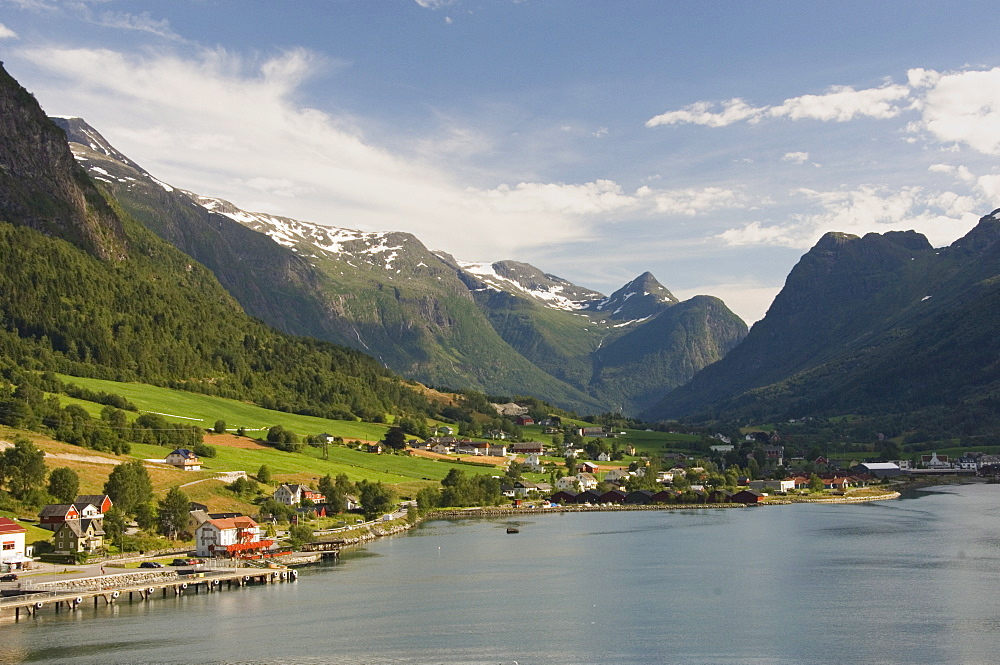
[30,598]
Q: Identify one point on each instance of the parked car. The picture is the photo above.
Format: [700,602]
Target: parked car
[195,562]
[8,577]
[180,562]
[151,564]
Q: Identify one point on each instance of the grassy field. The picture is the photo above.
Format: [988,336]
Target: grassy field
[204,410]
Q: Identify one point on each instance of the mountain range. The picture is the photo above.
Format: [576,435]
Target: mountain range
[87,290]
[502,328]
[880,324]
[134,279]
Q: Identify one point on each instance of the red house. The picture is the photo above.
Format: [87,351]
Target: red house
[53,515]
[525,420]
[746,496]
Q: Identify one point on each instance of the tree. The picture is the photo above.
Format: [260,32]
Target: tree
[395,438]
[22,468]
[114,525]
[173,512]
[220,426]
[299,534]
[146,516]
[64,484]
[815,483]
[264,474]
[129,487]
[427,499]
[376,499]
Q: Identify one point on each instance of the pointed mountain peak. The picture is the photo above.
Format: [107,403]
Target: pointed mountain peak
[80,132]
[641,298]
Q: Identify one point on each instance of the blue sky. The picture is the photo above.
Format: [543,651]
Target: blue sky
[711,143]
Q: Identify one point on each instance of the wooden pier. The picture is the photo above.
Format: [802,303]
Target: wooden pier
[108,590]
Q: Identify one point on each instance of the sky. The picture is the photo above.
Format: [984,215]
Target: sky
[711,143]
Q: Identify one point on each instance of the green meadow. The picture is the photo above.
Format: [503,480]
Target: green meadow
[204,410]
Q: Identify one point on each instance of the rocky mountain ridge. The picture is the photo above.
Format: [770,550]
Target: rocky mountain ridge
[424,314]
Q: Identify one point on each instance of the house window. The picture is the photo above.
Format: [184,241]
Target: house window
[8,545]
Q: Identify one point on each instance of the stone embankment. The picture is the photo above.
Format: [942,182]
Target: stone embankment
[105,581]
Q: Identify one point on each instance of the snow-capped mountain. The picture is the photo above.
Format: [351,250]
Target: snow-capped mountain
[503,327]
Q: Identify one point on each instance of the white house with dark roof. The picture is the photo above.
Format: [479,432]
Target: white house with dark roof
[184,459]
[293,495]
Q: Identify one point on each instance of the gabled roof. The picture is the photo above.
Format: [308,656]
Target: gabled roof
[183,452]
[56,510]
[10,526]
[240,522]
[79,528]
[96,499]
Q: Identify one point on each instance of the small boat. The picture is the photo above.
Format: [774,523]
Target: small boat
[513,529]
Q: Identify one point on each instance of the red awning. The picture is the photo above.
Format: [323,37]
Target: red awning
[256,545]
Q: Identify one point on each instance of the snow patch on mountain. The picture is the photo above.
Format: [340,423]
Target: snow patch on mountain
[551,296]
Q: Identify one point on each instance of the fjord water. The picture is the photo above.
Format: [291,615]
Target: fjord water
[908,581]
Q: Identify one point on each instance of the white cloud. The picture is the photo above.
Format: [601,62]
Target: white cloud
[224,126]
[796,157]
[941,216]
[961,108]
[843,103]
[7,33]
[838,104]
[696,200]
[141,22]
[703,113]
[434,4]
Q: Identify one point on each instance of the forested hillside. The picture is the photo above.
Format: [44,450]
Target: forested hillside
[86,290]
[884,324]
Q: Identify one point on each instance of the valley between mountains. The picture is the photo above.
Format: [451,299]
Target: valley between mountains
[502,328]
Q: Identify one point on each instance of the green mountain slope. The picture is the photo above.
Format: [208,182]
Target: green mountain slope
[505,327]
[86,290]
[879,324]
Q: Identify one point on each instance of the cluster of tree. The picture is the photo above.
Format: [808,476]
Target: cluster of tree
[459,489]
[23,471]
[24,405]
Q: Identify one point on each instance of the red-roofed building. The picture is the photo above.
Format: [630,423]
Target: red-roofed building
[232,537]
[12,554]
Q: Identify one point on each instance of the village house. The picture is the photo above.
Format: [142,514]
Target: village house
[183,459]
[102,502]
[746,496]
[879,469]
[524,420]
[199,516]
[13,554]
[527,447]
[533,462]
[374,448]
[616,475]
[935,461]
[604,457]
[587,480]
[78,535]
[54,514]
[775,454]
[293,495]
[589,467]
[497,450]
[232,537]
[478,448]
[772,485]
[442,448]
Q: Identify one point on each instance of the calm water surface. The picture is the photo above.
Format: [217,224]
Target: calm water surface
[907,581]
